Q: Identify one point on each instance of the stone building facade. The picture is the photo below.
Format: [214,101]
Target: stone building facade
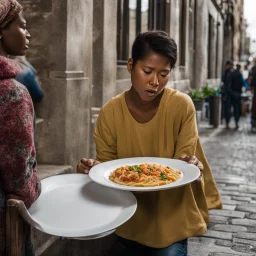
[234,30]
[80,49]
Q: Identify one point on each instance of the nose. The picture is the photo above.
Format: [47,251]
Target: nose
[28,36]
[154,80]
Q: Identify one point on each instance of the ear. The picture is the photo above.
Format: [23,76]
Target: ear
[130,65]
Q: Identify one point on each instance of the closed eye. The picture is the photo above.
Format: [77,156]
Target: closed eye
[147,72]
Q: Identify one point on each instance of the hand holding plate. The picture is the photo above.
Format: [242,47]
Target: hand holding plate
[193,160]
[85,165]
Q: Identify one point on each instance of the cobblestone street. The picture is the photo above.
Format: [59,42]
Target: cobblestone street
[232,157]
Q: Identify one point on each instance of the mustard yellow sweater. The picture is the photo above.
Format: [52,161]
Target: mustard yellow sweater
[168,216]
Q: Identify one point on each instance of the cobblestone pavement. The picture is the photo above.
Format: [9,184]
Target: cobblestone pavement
[232,157]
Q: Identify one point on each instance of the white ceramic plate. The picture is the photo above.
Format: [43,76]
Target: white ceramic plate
[73,206]
[100,173]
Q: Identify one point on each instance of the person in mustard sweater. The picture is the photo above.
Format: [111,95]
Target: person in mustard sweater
[152,120]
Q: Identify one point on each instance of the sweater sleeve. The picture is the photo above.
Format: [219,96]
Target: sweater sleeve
[187,139]
[17,151]
[33,87]
[104,137]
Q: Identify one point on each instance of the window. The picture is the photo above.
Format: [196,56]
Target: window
[210,46]
[182,33]
[157,15]
[217,51]
[134,16]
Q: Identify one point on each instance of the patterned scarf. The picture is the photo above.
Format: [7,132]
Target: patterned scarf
[8,10]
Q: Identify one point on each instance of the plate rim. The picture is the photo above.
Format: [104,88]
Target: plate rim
[62,232]
[141,189]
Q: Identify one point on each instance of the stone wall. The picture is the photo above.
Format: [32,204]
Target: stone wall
[104,51]
[61,51]
[79,52]
[234,34]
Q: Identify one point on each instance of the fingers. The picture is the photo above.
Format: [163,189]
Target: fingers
[86,171]
[190,159]
[81,168]
[85,165]
[95,162]
[199,179]
[193,160]
[87,162]
[200,166]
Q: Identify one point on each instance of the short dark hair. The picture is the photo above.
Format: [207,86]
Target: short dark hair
[229,62]
[156,41]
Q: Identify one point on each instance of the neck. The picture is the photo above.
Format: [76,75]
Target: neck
[2,51]
[141,104]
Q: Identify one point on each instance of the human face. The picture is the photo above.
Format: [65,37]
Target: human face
[15,37]
[150,75]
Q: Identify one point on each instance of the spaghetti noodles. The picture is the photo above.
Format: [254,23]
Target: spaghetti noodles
[144,175]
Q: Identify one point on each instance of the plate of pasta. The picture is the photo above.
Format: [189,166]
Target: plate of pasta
[144,173]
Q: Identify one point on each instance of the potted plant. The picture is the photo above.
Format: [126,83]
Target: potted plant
[209,92]
[213,97]
[197,97]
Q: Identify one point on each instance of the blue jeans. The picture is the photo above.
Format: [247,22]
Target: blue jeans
[135,249]
[234,101]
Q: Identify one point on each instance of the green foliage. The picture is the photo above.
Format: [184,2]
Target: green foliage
[202,93]
[196,94]
[207,91]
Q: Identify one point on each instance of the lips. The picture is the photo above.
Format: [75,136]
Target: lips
[27,45]
[151,91]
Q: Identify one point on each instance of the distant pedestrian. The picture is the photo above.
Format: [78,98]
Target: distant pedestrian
[227,72]
[233,91]
[253,88]
[225,100]
[28,77]
[245,74]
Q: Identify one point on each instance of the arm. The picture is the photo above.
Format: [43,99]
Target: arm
[104,137]
[34,89]
[105,143]
[188,135]
[245,84]
[17,152]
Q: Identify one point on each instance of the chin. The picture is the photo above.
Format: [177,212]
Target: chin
[147,99]
[17,53]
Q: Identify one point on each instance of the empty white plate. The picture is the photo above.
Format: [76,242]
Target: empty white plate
[73,206]
[100,173]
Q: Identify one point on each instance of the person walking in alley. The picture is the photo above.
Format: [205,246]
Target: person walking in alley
[18,179]
[152,120]
[229,68]
[233,93]
[225,100]
[253,89]
[245,73]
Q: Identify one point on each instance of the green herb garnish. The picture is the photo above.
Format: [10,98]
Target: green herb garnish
[131,168]
[139,170]
[168,167]
[135,168]
[163,176]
